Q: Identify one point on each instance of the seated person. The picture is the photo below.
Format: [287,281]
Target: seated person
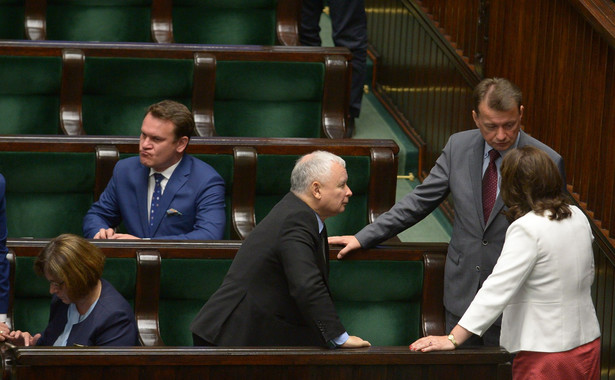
[163,193]
[85,309]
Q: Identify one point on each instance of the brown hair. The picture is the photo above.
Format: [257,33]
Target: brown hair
[176,113]
[73,260]
[532,182]
[499,93]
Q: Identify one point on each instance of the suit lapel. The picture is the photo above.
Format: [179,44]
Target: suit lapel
[141,183]
[324,254]
[177,180]
[476,176]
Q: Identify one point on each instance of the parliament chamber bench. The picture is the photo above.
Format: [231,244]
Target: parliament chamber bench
[51,181]
[389,295]
[242,22]
[78,88]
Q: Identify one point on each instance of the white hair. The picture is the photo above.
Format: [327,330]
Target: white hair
[315,166]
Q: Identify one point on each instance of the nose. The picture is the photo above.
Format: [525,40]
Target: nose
[52,289]
[500,134]
[348,191]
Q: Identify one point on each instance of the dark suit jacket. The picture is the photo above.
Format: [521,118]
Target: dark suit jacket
[192,203]
[275,292]
[475,245]
[111,322]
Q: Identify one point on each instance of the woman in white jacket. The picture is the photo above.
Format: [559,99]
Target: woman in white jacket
[541,282]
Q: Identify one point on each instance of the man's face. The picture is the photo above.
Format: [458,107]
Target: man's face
[499,128]
[158,148]
[334,192]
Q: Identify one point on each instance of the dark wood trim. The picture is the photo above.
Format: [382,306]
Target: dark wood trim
[147,297]
[35,14]
[243,214]
[106,158]
[336,97]
[203,92]
[288,18]
[601,16]
[383,174]
[162,21]
[71,116]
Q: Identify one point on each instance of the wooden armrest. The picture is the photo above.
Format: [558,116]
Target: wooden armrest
[203,92]
[288,19]
[162,21]
[35,19]
[106,158]
[71,93]
[336,95]
[244,185]
[147,297]
[382,183]
[432,314]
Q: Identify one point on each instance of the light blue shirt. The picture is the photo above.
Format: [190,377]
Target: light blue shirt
[344,337]
[73,317]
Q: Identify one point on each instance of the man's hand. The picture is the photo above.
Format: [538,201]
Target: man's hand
[24,338]
[349,242]
[105,233]
[124,236]
[355,342]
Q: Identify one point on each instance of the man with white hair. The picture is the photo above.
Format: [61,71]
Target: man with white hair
[276,291]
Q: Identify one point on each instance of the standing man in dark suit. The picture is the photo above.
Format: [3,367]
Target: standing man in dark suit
[163,193]
[276,291]
[478,230]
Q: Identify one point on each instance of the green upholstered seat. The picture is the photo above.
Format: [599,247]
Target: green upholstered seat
[228,22]
[30,94]
[276,99]
[185,286]
[47,194]
[11,19]
[32,297]
[273,182]
[380,301]
[99,20]
[118,91]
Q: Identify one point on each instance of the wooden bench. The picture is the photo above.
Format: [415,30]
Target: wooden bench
[52,180]
[105,89]
[244,22]
[390,295]
[147,363]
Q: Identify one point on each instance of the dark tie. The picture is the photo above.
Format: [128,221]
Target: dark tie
[155,198]
[490,184]
[325,248]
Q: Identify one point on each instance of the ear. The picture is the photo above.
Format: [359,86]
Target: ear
[315,190]
[475,117]
[182,143]
[520,112]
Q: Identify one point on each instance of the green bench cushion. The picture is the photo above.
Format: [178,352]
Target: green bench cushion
[11,19]
[30,94]
[276,99]
[124,88]
[228,22]
[185,286]
[32,297]
[47,194]
[273,182]
[100,20]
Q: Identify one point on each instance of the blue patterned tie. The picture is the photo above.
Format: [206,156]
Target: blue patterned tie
[155,198]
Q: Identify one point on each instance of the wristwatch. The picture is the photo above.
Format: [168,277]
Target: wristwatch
[451,337]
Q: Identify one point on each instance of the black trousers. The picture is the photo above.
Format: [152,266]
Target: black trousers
[198,341]
[349,27]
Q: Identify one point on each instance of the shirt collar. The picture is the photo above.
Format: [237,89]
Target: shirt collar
[168,172]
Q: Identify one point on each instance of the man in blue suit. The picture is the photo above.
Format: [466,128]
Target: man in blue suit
[163,193]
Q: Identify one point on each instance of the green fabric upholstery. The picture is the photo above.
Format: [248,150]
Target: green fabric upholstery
[47,194]
[99,20]
[185,286]
[224,166]
[118,91]
[276,99]
[228,22]
[273,182]
[32,297]
[379,300]
[11,19]
[30,94]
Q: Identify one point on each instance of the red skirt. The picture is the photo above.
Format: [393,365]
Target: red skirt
[580,363]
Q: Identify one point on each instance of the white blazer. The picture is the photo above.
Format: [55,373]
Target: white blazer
[542,283]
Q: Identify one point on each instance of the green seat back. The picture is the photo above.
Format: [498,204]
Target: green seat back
[276,99]
[185,286]
[100,20]
[12,19]
[223,163]
[380,301]
[118,91]
[47,193]
[32,298]
[273,182]
[30,94]
[227,22]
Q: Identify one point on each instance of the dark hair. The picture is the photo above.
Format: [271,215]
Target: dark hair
[499,93]
[73,260]
[176,113]
[532,182]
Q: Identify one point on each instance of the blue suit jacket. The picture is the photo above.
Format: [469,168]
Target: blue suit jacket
[4,264]
[111,322]
[192,204]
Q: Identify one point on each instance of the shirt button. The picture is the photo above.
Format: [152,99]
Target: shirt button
[478,268]
[485,242]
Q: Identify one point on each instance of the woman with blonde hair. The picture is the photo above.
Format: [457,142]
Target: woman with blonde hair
[85,309]
[541,282]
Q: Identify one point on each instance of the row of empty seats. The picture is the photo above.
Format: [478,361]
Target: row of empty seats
[51,182]
[105,89]
[242,22]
